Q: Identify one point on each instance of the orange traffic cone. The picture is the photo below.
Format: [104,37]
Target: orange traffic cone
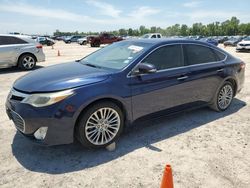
[167,179]
[58,53]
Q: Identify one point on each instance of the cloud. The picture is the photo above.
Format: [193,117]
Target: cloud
[41,12]
[210,15]
[192,4]
[144,11]
[105,8]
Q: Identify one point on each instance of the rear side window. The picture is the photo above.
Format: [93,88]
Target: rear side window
[158,36]
[197,54]
[220,56]
[8,40]
[153,36]
[166,57]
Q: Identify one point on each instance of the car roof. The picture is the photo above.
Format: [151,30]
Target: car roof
[27,38]
[19,36]
[162,41]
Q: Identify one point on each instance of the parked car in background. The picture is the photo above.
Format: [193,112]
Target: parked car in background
[14,33]
[221,39]
[104,38]
[70,39]
[21,51]
[82,41]
[210,41]
[45,41]
[151,36]
[59,38]
[244,45]
[233,41]
[197,37]
[119,84]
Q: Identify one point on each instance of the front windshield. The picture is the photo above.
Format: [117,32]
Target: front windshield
[146,36]
[247,39]
[116,56]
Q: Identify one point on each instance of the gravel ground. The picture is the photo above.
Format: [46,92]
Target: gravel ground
[205,148]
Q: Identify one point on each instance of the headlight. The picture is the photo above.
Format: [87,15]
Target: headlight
[46,99]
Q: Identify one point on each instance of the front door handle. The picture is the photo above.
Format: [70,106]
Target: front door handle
[182,78]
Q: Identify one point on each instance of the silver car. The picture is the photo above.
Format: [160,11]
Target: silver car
[82,41]
[21,51]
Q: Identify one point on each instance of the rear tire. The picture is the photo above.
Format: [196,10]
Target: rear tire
[100,125]
[97,44]
[27,62]
[223,97]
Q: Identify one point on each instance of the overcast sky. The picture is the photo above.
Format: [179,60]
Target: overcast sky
[45,16]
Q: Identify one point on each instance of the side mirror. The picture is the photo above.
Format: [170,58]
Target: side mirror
[145,68]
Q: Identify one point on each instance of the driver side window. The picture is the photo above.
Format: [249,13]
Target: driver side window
[166,57]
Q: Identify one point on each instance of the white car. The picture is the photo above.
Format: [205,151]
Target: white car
[82,41]
[21,51]
[152,36]
[244,45]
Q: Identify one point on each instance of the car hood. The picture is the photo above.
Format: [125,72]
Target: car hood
[60,77]
[244,42]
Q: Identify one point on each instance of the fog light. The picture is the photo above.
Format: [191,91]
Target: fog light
[41,133]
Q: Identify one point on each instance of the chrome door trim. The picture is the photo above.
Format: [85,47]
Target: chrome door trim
[129,75]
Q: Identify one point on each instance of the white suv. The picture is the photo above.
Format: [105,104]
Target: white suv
[152,36]
[21,51]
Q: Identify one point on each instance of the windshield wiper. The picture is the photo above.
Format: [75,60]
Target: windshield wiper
[92,65]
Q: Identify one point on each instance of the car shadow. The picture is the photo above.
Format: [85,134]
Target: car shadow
[73,157]
[16,69]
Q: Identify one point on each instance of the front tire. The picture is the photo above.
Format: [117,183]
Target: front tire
[100,125]
[223,97]
[27,62]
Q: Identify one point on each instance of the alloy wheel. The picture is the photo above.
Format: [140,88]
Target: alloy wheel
[102,126]
[28,62]
[225,96]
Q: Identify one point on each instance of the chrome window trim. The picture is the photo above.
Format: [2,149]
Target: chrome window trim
[129,75]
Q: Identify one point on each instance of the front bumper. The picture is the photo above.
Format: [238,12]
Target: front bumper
[242,48]
[28,120]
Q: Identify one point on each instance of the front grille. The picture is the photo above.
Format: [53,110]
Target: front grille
[18,121]
[244,44]
[16,95]
[16,98]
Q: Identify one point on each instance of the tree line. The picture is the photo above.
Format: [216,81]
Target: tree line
[227,28]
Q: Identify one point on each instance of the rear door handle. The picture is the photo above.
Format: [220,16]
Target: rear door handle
[182,78]
[220,70]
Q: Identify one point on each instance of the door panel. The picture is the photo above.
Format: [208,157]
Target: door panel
[206,72]
[159,91]
[7,54]
[206,79]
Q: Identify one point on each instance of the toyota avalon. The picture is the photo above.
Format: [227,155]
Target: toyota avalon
[94,98]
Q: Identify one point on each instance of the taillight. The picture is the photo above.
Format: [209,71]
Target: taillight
[39,46]
[242,65]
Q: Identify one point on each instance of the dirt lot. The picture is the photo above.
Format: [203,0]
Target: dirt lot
[205,148]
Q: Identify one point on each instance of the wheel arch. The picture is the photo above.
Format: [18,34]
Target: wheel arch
[233,82]
[25,53]
[106,99]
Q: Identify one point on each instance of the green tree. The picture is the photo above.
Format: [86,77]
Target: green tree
[122,32]
[130,32]
[184,30]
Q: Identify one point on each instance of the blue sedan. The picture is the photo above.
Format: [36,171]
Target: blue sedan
[94,98]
